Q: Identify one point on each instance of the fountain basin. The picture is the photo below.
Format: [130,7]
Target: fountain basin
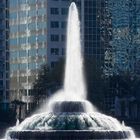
[69,121]
[68,135]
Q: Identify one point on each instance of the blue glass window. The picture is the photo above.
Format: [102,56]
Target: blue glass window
[22,1]
[42,25]
[23,66]
[32,13]
[32,52]
[32,26]
[32,39]
[13,54]
[32,66]
[22,53]
[14,67]
[42,51]
[13,15]
[13,3]
[22,40]
[41,38]
[22,27]
[32,1]
[41,12]
[22,14]
[13,42]
[14,28]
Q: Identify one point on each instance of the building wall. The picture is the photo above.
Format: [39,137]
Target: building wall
[4,52]
[28,41]
[94,11]
[125,44]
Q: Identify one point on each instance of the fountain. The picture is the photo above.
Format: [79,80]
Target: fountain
[69,115]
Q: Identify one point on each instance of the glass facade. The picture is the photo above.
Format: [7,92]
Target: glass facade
[28,41]
[4,52]
[93,16]
[37,35]
[125,38]
[123,55]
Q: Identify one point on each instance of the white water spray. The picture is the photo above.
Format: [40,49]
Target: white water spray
[74,78]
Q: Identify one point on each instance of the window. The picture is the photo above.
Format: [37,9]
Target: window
[22,40]
[63,38]
[54,24]
[32,39]
[64,11]
[41,12]
[32,66]
[22,28]
[54,51]
[13,15]
[13,67]
[42,38]
[1,75]
[42,51]
[63,24]
[42,25]
[23,66]
[55,38]
[63,51]
[7,66]
[32,13]
[32,52]
[22,53]
[1,83]
[54,11]
[53,64]
[12,42]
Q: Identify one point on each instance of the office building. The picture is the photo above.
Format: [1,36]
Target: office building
[125,33]
[124,54]
[4,53]
[37,36]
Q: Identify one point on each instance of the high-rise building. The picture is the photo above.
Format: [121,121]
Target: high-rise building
[124,54]
[38,35]
[93,14]
[125,17]
[4,53]
[28,45]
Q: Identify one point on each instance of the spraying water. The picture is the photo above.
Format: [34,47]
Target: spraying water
[74,79]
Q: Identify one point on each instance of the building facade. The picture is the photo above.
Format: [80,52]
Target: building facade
[4,53]
[124,54]
[125,18]
[37,36]
[28,30]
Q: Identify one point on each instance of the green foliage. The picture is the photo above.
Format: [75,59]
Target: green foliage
[49,80]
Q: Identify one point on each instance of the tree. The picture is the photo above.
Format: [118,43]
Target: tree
[49,80]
